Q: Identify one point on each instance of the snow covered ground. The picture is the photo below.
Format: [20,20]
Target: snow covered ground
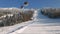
[10,29]
[40,25]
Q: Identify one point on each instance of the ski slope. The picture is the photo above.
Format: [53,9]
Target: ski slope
[39,25]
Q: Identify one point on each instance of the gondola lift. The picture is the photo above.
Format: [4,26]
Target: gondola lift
[26,3]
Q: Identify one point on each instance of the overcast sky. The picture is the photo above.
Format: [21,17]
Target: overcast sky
[32,3]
